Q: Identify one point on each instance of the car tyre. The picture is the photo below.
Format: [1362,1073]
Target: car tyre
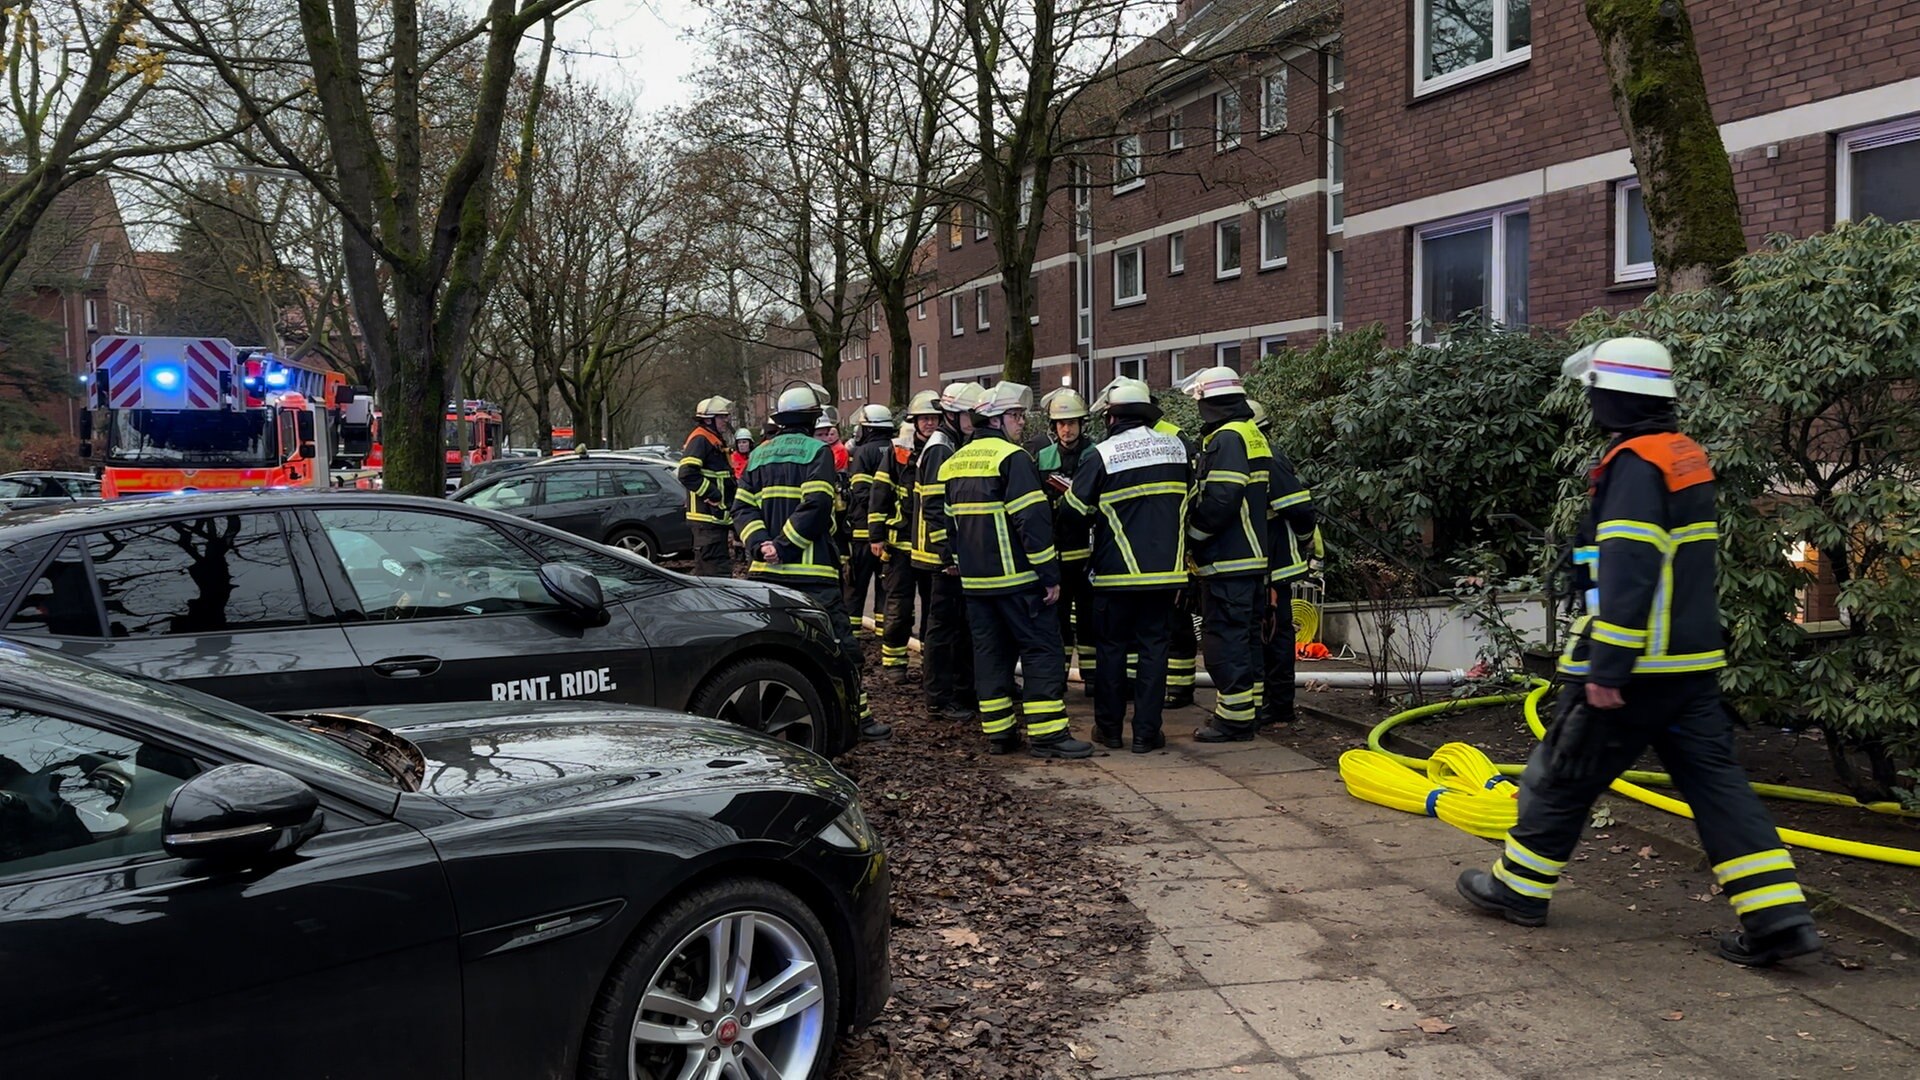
[666,1012]
[635,541]
[768,696]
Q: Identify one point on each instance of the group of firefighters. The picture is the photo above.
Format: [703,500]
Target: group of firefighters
[1022,557]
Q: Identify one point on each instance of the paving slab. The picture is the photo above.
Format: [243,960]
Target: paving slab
[1793,1037]
[1323,1016]
[1208,902]
[1168,1032]
[1887,1000]
[1115,798]
[1545,1033]
[1307,869]
[1445,1059]
[1658,1067]
[1268,833]
[1231,953]
[1162,967]
[1154,853]
[1287,788]
[1214,805]
[1665,972]
[1375,909]
[1335,809]
[1170,777]
[1272,1070]
[1448,963]
[1411,837]
[1200,863]
[1267,758]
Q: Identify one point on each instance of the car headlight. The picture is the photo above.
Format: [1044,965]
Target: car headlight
[850,831]
[816,618]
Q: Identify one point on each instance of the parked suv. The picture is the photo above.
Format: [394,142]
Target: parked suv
[22,490]
[626,502]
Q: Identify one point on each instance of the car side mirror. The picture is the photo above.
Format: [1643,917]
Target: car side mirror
[239,814]
[577,591]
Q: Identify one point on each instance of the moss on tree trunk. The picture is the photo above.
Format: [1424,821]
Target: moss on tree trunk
[1685,177]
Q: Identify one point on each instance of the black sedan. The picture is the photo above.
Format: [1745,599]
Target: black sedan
[628,502]
[191,889]
[292,600]
[26,490]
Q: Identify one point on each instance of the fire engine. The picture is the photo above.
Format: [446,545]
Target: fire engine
[480,442]
[562,439]
[197,414]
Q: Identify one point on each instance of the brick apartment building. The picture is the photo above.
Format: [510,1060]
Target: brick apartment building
[1405,161]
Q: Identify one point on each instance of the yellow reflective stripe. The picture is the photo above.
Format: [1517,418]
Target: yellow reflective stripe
[1175,578]
[1522,855]
[1288,571]
[781,491]
[752,529]
[1043,706]
[1644,531]
[1042,728]
[1233,713]
[751,498]
[1042,557]
[820,486]
[997,725]
[1024,578]
[1121,540]
[796,570]
[1024,501]
[1523,886]
[859,477]
[974,509]
[1231,565]
[1746,903]
[1227,476]
[1681,663]
[693,461]
[1161,487]
[992,704]
[1704,530]
[1615,634]
[792,536]
[929,489]
[1757,863]
[1294,499]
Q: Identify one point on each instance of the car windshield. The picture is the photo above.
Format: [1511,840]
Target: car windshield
[193,437]
[13,489]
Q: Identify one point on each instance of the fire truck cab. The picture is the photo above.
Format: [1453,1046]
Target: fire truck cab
[479,441]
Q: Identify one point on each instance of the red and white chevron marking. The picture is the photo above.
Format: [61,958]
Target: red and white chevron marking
[204,362]
[117,362]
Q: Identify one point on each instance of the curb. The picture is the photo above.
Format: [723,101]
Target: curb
[1832,909]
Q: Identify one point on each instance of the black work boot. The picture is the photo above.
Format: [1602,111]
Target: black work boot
[897,675]
[1487,893]
[1765,950]
[1060,744]
[1009,743]
[1178,699]
[1279,716]
[954,714]
[875,731]
[1109,739]
[1222,731]
[1147,744]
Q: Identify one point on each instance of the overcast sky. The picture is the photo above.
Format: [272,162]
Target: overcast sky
[638,47]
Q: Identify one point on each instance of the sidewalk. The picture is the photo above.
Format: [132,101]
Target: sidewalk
[1303,933]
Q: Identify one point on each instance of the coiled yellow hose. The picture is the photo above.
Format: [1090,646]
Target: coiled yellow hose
[1444,786]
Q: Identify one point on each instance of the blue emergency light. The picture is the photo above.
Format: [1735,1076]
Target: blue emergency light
[277,378]
[164,378]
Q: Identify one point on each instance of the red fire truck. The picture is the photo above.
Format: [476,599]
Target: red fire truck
[562,439]
[197,414]
[478,443]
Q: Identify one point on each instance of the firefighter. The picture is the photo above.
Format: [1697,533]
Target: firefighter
[1002,545]
[1227,533]
[1642,668]
[742,446]
[1059,461]
[890,516]
[868,459]
[708,477]
[1292,533]
[1182,653]
[946,656]
[1132,494]
[784,511]
[827,430]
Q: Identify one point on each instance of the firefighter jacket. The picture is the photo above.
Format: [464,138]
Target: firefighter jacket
[708,477]
[891,500]
[1058,467]
[1131,494]
[1291,529]
[1001,529]
[870,458]
[930,550]
[1227,520]
[1645,557]
[787,496]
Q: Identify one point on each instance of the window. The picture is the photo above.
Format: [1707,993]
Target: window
[629,482]
[1226,120]
[1336,171]
[920,305]
[1456,40]
[1336,70]
[1126,164]
[923,359]
[1081,181]
[1177,253]
[1129,284]
[1176,131]
[573,487]
[620,579]
[1632,236]
[1083,298]
[413,565]
[93,314]
[956,234]
[1273,102]
[1033,299]
[876,364]
[955,319]
[1273,236]
[122,319]
[980,307]
[1472,265]
[1130,367]
[95,794]
[1227,354]
[60,601]
[1177,364]
[197,576]
[509,494]
[1876,173]
[1026,197]
[1226,248]
[1272,347]
[1337,288]
[979,223]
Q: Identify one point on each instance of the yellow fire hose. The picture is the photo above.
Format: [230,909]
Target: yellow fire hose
[1462,787]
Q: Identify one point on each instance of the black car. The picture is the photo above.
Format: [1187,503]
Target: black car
[292,600]
[25,490]
[191,889]
[628,502]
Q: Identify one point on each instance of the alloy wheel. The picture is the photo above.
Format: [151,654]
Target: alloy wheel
[772,708]
[636,543]
[740,998]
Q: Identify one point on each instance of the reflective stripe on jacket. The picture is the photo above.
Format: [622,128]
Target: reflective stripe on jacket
[787,496]
[1227,521]
[1131,491]
[1001,527]
[1290,531]
[1069,530]
[930,549]
[708,477]
[891,501]
[870,459]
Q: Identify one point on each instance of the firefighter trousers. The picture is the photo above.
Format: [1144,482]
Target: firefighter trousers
[946,650]
[864,568]
[1132,623]
[1017,627]
[901,585]
[710,558]
[1683,719]
[829,598]
[1275,694]
[1181,663]
[1233,648]
[1075,608]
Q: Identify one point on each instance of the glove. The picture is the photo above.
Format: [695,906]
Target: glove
[1574,743]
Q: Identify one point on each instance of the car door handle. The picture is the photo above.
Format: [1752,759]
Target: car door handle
[406,667]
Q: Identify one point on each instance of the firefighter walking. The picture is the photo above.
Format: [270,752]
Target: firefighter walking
[707,474]
[872,449]
[1002,544]
[1227,534]
[784,510]
[1059,461]
[1132,494]
[946,656]
[1642,668]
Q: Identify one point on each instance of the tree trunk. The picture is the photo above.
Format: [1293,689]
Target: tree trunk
[415,403]
[900,369]
[1017,287]
[1685,177]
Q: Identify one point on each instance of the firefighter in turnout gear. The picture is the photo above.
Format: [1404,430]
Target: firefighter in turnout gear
[1059,462]
[1001,536]
[1642,668]
[707,474]
[1292,535]
[872,448]
[785,516]
[946,656]
[1227,536]
[1182,654]
[890,517]
[1132,494]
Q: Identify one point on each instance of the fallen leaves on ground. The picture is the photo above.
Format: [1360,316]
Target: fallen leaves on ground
[1433,1025]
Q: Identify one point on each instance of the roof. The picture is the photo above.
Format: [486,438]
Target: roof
[82,238]
[26,524]
[1220,35]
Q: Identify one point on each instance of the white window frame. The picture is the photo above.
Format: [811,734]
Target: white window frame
[93,314]
[1177,252]
[921,356]
[1220,353]
[980,231]
[873,319]
[1339,322]
[920,305]
[1270,125]
[1496,257]
[1080,179]
[1138,363]
[1123,180]
[1269,260]
[1500,60]
[981,308]
[1851,143]
[1220,271]
[1336,68]
[956,227]
[1270,345]
[1026,197]
[1176,131]
[1625,272]
[1222,142]
[1138,253]
[1177,365]
[122,318]
[957,318]
[1336,179]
